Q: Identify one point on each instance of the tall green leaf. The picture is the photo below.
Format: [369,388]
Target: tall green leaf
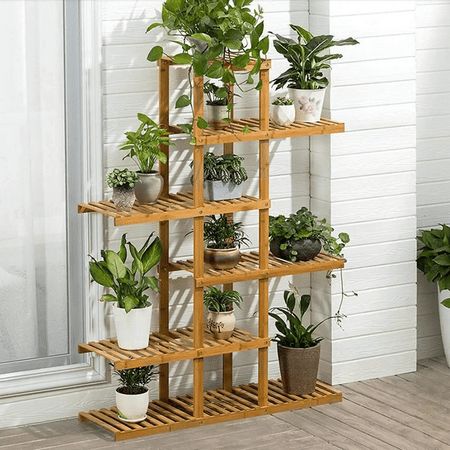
[115,264]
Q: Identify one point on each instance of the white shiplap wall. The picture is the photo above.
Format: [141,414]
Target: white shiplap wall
[364,181]
[433,150]
[131,86]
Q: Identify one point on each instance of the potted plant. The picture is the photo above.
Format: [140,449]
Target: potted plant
[122,181]
[224,176]
[143,146]
[283,111]
[217,107]
[434,262]
[305,78]
[214,38]
[298,350]
[221,319]
[223,239]
[132,309]
[132,394]
[301,236]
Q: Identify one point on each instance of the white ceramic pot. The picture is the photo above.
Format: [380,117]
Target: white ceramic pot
[132,408]
[308,103]
[221,324]
[215,115]
[218,190]
[123,198]
[132,328]
[149,187]
[283,115]
[444,318]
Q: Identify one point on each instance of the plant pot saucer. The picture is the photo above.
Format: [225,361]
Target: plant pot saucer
[131,420]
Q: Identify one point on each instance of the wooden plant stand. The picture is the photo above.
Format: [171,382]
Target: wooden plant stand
[195,343]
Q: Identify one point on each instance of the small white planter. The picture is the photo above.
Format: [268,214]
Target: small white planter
[132,408]
[283,115]
[221,324]
[308,104]
[218,190]
[444,318]
[132,328]
[149,187]
[215,115]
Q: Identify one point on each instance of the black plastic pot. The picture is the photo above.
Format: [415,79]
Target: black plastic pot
[306,249]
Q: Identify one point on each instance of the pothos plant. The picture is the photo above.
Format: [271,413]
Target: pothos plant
[434,257]
[128,284]
[213,37]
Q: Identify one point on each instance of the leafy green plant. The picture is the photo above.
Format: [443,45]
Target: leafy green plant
[217,96]
[143,145]
[222,233]
[213,36]
[128,284]
[304,225]
[283,101]
[217,300]
[134,381]
[121,178]
[292,332]
[306,58]
[224,168]
[434,257]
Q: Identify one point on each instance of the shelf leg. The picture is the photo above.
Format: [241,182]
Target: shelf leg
[227,368]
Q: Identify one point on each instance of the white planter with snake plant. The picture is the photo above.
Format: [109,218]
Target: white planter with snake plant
[132,306]
[434,262]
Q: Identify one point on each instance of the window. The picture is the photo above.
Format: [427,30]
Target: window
[42,259]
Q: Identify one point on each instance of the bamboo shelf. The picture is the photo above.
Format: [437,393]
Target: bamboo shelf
[194,343]
[172,207]
[175,345]
[220,405]
[248,268]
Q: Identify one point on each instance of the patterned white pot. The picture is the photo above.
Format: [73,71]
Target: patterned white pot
[283,115]
[444,319]
[221,324]
[132,408]
[132,328]
[123,198]
[308,103]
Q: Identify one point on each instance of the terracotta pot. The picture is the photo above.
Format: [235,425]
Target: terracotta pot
[308,103]
[306,249]
[215,115]
[123,198]
[149,187]
[222,258]
[218,190]
[133,327]
[221,324]
[298,368]
[132,407]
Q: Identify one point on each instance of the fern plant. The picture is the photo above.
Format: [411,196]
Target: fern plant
[134,381]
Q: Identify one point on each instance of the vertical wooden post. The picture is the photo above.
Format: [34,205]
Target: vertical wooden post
[198,250]
[164,66]
[263,325]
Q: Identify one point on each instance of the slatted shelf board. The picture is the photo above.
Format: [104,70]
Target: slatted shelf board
[177,345]
[219,406]
[173,207]
[248,268]
[244,130]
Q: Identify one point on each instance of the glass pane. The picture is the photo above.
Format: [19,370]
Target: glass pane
[33,259]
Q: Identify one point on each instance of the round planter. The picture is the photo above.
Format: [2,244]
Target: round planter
[306,249]
[123,198]
[444,319]
[132,328]
[215,115]
[221,324]
[298,368]
[149,187]
[222,258]
[308,104]
[132,407]
[283,115]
